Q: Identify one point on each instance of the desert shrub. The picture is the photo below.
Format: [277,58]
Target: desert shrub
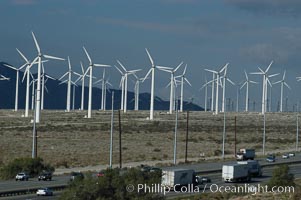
[113,185]
[281,177]
[33,166]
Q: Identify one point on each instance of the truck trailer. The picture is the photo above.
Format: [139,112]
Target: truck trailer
[253,166]
[177,177]
[236,173]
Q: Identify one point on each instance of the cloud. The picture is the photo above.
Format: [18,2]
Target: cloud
[270,7]
[23,2]
[153,26]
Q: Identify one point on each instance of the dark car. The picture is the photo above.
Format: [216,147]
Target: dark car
[76,175]
[45,176]
[202,179]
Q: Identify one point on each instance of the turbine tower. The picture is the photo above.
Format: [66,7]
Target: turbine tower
[137,88]
[39,59]
[206,91]
[90,69]
[246,83]
[225,78]
[281,89]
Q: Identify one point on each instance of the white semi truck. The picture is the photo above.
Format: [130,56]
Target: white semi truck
[236,173]
[177,177]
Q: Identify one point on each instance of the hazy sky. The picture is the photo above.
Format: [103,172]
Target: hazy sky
[201,33]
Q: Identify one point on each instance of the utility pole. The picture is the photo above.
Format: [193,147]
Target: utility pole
[112,126]
[235,137]
[120,149]
[297,135]
[175,137]
[224,136]
[34,132]
[186,149]
[263,138]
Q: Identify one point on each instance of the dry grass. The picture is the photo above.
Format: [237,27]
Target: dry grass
[67,139]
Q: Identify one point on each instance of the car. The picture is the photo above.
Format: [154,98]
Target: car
[271,158]
[45,176]
[202,179]
[44,192]
[101,174]
[146,168]
[291,154]
[76,175]
[285,156]
[22,176]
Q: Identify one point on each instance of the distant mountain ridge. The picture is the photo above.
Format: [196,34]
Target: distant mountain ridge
[56,98]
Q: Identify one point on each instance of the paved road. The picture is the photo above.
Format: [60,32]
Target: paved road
[216,177]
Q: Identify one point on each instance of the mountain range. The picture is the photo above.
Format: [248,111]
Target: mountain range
[56,96]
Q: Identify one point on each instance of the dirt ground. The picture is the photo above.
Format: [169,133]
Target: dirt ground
[70,140]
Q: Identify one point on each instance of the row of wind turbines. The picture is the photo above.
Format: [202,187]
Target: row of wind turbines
[219,79]
[42,78]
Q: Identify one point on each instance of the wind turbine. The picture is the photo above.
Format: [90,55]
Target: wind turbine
[90,69]
[69,73]
[218,75]
[281,88]
[39,59]
[126,73]
[225,78]
[172,85]
[17,82]
[122,86]
[183,78]
[246,83]
[152,70]
[44,87]
[27,74]
[265,80]
[137,88]
[82,78]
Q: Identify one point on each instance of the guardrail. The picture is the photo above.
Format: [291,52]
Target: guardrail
[29,191]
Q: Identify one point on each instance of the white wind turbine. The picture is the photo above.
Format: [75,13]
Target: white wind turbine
[122,86]
[152,70]
[225,78]
[39,59]
[27,74]
[218,75]
[183,79]
[126,73]
[90,69]
[281,89]
[137,88]
[69,73]
[17,82]
[206,91]
[106,82]
[172,85]
[265,80]
[246,83]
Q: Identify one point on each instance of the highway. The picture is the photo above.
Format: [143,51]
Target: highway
[200,167]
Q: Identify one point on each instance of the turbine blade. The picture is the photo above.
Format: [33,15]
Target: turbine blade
[50,77]
[69,64]
[184,70]
[121,65]
[247,78]
[63,76]
[22,55]
[230,81]
[284,75]
[101,65]
[53,57]
[46,89]
[149,71]
[36,42]
[82,67]
[87,55]
[277,82]
[178,67]
[63,82]
[273,75]
[212,71]
[119,70]
[287,85]
[253,82]
[150,58]
[22,66]
[9,66]
[224,68]
[187,81]
[243,85]
[269,67]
